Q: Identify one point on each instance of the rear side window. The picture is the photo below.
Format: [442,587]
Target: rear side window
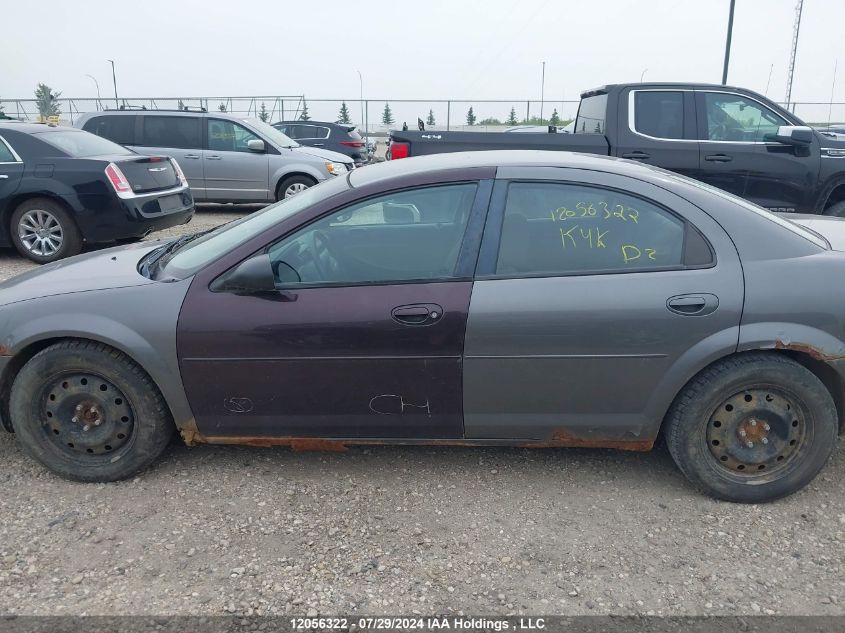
[80,144]
[311,131]
[591,114]
[6,155]
[555,228]
[659,113]
[172,131]
[119,128]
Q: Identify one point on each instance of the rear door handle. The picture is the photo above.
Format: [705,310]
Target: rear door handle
[215,157]
[417,314]
[318,145]
[719,158]
[637,155]
[699,304]
[192,155]
[3,176]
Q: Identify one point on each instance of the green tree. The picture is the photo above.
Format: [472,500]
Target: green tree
[490,121]
[180,105]
[512,117]
[555,120]
[47,101]
[387,115]
[343,115]
[263,114]
[222,107]
[304,116]
[430,119]
[470,116]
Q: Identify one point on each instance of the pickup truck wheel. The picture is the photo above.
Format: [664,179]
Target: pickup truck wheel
[836,210]
[88,412]
[43,231]
[293,185]
[752,428]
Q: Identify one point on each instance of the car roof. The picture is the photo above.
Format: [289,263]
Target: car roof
[154,112]
[502,158]
[297,122]
[34,128]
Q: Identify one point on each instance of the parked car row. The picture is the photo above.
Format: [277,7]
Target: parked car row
[534,299]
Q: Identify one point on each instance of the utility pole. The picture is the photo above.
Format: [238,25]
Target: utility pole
[114,80]
[728,44]
[542,91]
[795,28]
[96,83]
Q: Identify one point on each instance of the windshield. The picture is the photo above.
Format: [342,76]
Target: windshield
[79,144]
[275,137]
[200,252]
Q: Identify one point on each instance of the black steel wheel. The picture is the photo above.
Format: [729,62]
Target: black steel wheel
[88,412]
[752,428]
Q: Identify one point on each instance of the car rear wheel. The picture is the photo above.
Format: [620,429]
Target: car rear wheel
[752,428]
[43,231]
[89,413]
[293,185]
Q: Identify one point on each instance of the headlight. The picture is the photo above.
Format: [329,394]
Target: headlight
[336,168]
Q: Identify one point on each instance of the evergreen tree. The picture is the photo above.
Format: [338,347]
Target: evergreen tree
[470,116]
[263,114]
[222,107]
[343,116]
[47,101]
[430,120]
[555,120]
[512,117]
[387,115]
[304,116]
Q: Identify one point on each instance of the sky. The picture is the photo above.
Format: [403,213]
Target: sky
[404,49]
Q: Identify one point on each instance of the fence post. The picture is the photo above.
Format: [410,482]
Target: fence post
[448,113]
[528,111]
[367,119]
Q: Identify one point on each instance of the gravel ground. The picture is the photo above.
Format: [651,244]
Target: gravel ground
[216,530]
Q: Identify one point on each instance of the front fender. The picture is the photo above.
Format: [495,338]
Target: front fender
[289,169]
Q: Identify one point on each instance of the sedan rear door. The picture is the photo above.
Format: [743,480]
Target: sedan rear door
[603,297]
[11,169]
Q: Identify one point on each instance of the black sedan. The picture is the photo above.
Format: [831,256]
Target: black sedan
[61,187]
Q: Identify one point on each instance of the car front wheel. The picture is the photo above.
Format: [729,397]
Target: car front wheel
[293,185]
[88,412]
[752,428]
[43,231]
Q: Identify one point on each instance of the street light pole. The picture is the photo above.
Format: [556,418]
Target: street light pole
[542,91]
[728,44]
[642,74]
[96,83]
[361,83]
[114,80]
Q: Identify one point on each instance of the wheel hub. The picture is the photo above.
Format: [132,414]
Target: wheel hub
[86,413]
[756,431]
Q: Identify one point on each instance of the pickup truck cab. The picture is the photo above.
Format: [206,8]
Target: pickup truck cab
[729,137]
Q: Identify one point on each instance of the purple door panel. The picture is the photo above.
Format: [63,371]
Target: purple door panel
[344,362]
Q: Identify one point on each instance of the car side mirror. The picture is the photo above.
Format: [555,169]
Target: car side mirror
[251,276]
[256,145]
[794,135]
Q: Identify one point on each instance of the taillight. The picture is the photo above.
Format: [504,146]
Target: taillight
[353,143]
[399,150]
[117,179]
[179,172]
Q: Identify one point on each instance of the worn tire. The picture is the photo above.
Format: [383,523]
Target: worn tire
[836,210]
[71,237]
[689,419]
[291,181]
[36,393]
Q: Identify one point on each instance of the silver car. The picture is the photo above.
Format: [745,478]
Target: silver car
[225,158]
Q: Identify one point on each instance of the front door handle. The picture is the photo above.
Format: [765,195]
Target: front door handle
[417,314]
[214,157]
[191,156]
[318,145]
[719,158]
[3,176]
[637,155]
[699,304]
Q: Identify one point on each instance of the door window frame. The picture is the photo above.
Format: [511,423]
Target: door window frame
[690,122]
[468,252]
[491,241]
[206,138]
[701,117]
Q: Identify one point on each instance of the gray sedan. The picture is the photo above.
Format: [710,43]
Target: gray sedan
[496,298]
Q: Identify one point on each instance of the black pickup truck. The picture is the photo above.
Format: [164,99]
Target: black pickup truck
[732,138]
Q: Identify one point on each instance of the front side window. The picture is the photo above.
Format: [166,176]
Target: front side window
[179,132]
[411,235]
[226,136]
[554,228]
[117,128]
[734,118]
[659,113]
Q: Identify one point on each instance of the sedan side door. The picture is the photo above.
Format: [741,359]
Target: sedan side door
[596,300]
[233,171]
[363,335]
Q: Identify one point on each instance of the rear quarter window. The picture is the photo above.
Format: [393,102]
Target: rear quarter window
[591,114]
